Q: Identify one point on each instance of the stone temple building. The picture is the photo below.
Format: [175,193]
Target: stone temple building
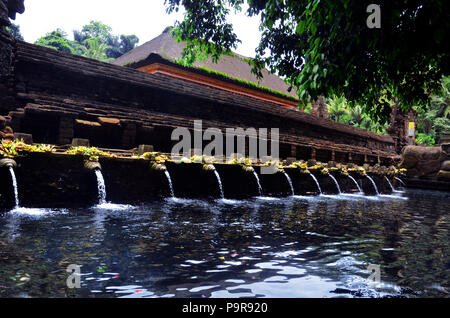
[142,96]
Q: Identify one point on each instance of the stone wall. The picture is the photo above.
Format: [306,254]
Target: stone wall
[54,180]
[60,96]
[56,97]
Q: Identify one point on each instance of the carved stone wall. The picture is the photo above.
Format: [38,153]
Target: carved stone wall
[61,96]
[8,9]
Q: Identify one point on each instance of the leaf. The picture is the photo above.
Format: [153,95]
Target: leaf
[315,68]
[300,27]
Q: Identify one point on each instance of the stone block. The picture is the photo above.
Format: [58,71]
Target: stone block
[77,142]
[87,123]
[428,167]
[27,138]
[109,121]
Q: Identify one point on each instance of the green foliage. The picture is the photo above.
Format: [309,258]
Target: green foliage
[111,46]
[57,40]
[94,48]
[90,153]
[324,48]
[14,30]
[14,148]
[434,120]
[424,139]
[93,41]
[340,110]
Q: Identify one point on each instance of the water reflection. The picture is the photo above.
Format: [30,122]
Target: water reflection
[290,247]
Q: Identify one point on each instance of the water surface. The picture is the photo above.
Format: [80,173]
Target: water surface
[290,247]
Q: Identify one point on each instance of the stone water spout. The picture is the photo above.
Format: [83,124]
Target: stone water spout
[373,183]
[258,182]
[169,180]
[336,182]
[11,164]
[101,187]
[356,183]
[316,181]
[390,184]
[290,183]
[222,196]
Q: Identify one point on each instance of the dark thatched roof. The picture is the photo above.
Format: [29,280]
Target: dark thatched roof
[234,65]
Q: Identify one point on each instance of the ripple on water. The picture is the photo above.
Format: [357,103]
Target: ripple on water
[318,247]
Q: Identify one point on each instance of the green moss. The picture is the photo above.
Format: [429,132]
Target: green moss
[247,83]
[129,63]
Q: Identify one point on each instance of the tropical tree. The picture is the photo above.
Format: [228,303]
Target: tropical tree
[434,120]
[115,46]
[337,108]
[328,47]
[14,30]
[94,48]
[57,40]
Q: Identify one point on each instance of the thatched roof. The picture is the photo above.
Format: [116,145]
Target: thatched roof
[234,65]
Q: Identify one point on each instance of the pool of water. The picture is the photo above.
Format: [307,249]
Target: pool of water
[291,247]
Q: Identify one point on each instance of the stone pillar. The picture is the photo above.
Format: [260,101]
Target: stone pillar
[66,131]
[129,134]
[313,153]
[293,151]
[398,128]
[319,108]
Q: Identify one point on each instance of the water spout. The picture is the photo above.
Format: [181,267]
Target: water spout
[222,196]
[390,184]
[290,183]
[400,180]
[14,183]
[172,193]
[337,184]
[101,187]
[317,182]
[257,181]
[356,183]
[374,184]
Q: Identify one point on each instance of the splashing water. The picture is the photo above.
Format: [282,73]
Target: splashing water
[257,181]
[172,193]
[290,183]
[317,182]
[222,196]
[101,187]
[14,183]
[356,183]
[337,184]
[374,184]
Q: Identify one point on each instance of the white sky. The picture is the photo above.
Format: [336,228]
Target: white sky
[144,18]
